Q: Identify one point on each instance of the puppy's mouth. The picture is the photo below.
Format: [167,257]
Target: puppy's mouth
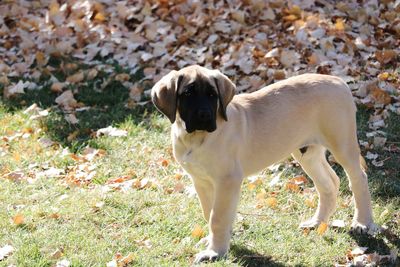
[209,127]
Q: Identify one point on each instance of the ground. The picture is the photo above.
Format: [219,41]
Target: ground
[137,205]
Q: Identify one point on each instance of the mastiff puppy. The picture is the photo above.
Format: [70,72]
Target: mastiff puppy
[219,138]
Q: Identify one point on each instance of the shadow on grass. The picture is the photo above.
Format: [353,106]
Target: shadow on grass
[377,243]
[246,257]
[384,181]
[105,107]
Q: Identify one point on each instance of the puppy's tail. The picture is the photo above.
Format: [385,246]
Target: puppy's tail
[363,164]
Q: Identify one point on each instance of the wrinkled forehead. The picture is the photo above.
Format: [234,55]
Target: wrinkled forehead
[200,80]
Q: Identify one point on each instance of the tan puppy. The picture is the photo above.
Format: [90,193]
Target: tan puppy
[219,139]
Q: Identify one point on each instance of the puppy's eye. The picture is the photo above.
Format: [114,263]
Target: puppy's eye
[187,92]
[212,94]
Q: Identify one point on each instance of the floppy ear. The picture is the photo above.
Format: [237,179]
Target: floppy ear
[226,91]
[164,95]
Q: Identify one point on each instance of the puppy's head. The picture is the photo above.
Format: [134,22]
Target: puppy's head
[198,94]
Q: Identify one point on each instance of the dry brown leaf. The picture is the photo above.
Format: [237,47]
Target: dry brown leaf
[385,56]
[117,180]
[299,180]
[380,96]
[271,202]
[57,87]
[322,228]
[58,253]
[340,25]
[76,78]
[41,59]
[164,162]
[292,187]
[197,232]
[279,75]
[310,202]
[122,77]
[18,219]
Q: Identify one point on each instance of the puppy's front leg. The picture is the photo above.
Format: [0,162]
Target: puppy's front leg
[226,196]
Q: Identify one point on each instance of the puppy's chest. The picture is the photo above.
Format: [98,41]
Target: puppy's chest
[194,160]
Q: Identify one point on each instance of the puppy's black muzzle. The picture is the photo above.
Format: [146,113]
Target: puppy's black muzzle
[203,120]
[204,115]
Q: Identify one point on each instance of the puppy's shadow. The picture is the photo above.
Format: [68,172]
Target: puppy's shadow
[246,257]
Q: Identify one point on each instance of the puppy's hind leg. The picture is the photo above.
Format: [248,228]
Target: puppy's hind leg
[348,156]
[313,161]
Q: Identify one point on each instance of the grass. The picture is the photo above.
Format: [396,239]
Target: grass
[90,225]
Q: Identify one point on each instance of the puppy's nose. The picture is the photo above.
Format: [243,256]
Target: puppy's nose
[204,115]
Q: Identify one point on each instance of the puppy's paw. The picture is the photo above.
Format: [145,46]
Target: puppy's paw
[370,228]
[310,223]
[206,255]
[203,242]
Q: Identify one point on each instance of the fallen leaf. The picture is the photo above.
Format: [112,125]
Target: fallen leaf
[76,78]
[58,253]
[299,180]
[385,56]
[122,77]
[18,219]
[380,96]
[358,251]
[41,59]
[145,242]
[14,89]
[338,224]
[63,263]
[125,261]
[322,228]
[57,87]
[164,162]
[271,202]
[310,202]
[292,187]
[111,131]
[66,100]
[6,251]
[118,180]
[340,25]
[279,75]
[197,232]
